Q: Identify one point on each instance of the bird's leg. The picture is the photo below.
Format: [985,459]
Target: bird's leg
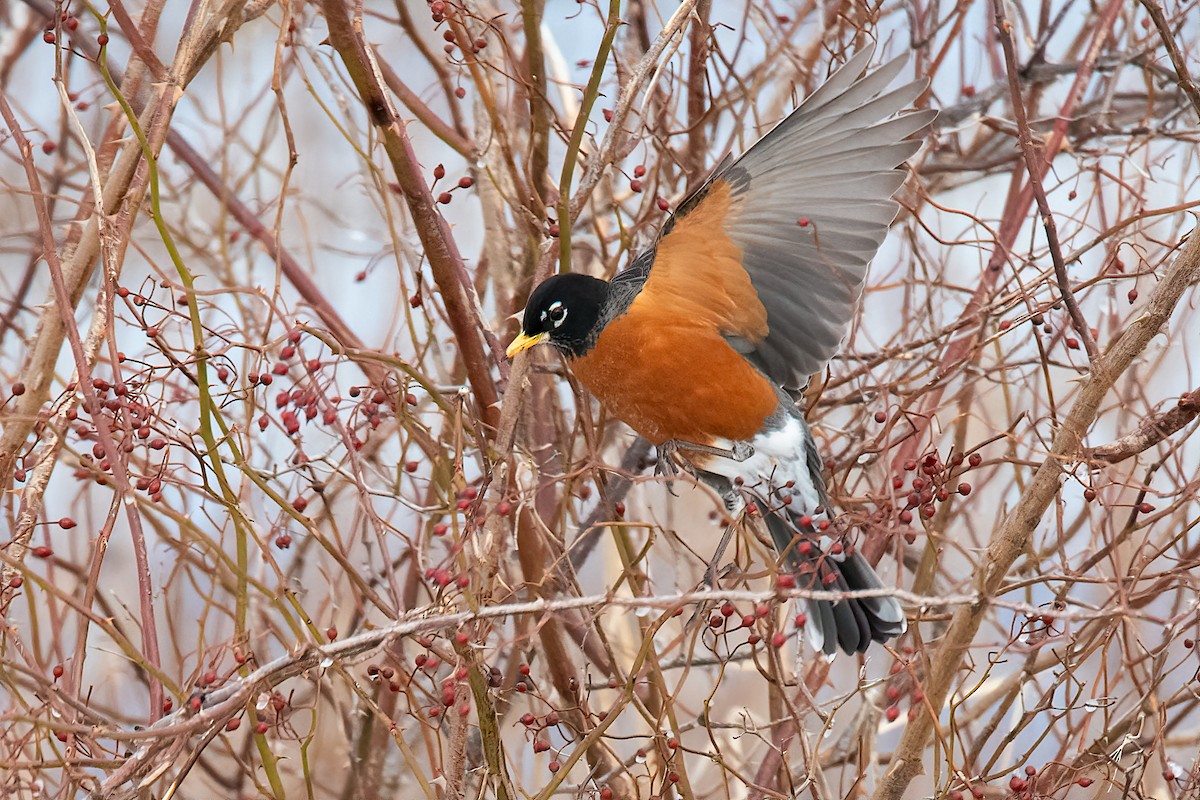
[734,504]
[739,452]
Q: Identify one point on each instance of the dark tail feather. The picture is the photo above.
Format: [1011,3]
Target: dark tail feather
[851,624]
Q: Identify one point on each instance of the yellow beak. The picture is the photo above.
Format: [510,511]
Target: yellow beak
[523,342]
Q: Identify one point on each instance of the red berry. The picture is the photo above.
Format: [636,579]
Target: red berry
[975,459]
[635,185]
[439,171]
[777,640]
[331,633]
[283,541]
[1018,784]
[48,37]
[66,523]
[1084,782]
[42,551]
[662,204]
[465,182]
[964,488]
[1133,295]
[905,517]
[786,581]
[1145,508]
[57,671]
[233,724]
[892,713]
[260,728]
[1072,343]
[102,39]
[1005,324]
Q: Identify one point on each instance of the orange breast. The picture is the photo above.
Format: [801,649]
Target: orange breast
[675,378]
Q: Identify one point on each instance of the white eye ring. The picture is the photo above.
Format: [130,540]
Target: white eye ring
[557,313]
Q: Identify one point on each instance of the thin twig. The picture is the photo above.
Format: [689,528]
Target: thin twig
[1036,166]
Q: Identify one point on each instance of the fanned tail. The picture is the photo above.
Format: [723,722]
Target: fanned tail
[821,564]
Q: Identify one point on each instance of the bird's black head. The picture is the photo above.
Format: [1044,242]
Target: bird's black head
[565,311]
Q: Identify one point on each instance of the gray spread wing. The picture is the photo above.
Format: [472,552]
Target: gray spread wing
[811,203]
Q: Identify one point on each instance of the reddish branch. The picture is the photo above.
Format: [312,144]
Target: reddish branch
[441,251]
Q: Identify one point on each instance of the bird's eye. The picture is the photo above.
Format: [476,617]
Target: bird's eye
[557,312]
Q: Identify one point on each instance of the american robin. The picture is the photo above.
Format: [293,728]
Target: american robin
[747,291]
